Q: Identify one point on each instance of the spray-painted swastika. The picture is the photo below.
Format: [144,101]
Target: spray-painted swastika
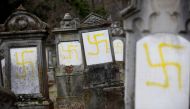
[97,47]
[163,65]
[162,72]
[70,53]
[70,50]
[23,64]
[96,43]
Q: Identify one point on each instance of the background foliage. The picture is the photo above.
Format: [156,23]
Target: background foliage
[52,11]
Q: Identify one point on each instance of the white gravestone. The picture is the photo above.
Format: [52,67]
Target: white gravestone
[24,71]
[162,72]
[97,47]
[70,53]
[118,49]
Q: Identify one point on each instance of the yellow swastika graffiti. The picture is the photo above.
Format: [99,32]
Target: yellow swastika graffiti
[163,65]
[96,42]
[23,63]
[70,50]
[118,47]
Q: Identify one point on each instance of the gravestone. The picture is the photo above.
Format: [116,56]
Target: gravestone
[114,93]
[102,72]
[69,69]
[150,17]
[22,43]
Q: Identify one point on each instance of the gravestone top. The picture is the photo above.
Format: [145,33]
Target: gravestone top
[116,29]
[68,23]
[67,17]
[94,19]
[21,20]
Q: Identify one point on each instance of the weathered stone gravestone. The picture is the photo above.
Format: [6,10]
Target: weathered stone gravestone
[162,72]
[103,59]
[22,43]
[69,71]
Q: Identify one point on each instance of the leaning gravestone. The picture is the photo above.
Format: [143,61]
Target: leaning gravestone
[162,72]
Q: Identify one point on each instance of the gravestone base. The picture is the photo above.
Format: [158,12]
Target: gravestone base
[70,103]
[35,105]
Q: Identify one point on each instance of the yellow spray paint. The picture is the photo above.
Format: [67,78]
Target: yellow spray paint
[23,64]
[163,64]
[96,42]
